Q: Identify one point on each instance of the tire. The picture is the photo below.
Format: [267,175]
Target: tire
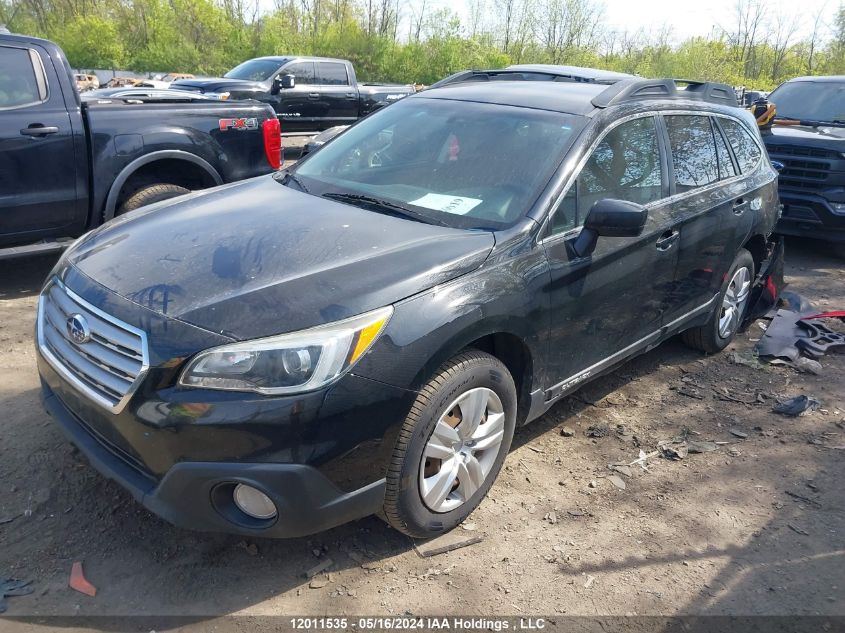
[713,336]
[149,195]
[465,470]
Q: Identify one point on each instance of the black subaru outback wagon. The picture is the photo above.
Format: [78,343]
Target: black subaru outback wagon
[363,333]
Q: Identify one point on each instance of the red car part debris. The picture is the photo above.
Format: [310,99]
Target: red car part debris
[78,581]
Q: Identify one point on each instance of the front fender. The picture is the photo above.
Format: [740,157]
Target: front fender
[428,329]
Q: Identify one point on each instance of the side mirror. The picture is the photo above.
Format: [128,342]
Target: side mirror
[611,218]
[283,82]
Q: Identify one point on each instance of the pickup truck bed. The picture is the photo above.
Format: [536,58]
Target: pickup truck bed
[68,165]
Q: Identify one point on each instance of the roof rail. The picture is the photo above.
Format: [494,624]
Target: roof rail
[523,74]
[635,89]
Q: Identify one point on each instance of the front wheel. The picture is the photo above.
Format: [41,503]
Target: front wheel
[724,322]
[452,445]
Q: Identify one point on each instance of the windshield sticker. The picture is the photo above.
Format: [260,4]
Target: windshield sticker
[449,204]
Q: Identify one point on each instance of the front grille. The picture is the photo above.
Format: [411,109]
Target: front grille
[797,150]
[109,358]
[804,168]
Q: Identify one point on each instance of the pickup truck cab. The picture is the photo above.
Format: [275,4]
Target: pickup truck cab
[309,94]
[67,163]
[808,139]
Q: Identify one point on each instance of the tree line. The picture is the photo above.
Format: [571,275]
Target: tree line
[415,41]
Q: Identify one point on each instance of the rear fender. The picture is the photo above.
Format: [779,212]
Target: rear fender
[135,165]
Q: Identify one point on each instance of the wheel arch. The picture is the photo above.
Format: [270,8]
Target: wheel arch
[756,245]
[506,343]
[196,169]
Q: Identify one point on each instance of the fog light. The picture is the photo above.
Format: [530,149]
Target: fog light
[253,502]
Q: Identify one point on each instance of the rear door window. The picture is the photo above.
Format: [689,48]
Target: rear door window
[303,71]
[746,150]
[332,74]
[693,151]
[18,84]
[625,166]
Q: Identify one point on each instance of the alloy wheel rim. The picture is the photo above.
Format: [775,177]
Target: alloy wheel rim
[734,301]
[462,450]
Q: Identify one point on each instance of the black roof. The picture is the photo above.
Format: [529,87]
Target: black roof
[580,98]
[577,73]
[572,98]
[281,59]
[26,39]
[821,79]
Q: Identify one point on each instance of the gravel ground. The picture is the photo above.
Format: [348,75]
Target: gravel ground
[754,527]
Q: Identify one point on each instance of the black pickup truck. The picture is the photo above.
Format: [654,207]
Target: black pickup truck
[309,94]
[808,138]
[68,164]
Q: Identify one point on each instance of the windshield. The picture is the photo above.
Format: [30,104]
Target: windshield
[460,163]
[810,100]
[254,70]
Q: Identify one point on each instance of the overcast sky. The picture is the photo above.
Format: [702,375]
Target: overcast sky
[685,17]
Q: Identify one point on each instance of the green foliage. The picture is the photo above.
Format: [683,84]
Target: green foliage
[92,42]
[390,40]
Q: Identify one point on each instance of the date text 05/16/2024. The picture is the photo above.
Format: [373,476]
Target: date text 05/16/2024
[421,623]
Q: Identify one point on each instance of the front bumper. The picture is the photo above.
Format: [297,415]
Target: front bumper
[810,215]
[321,456]
[196,495]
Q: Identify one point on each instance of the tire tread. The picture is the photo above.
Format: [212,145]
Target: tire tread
[450,369]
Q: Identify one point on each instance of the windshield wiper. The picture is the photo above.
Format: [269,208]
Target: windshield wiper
[289,176]
[377,204]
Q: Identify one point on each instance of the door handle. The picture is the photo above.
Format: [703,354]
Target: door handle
[667,239]
[38,130]
[313,95]
[350,95]
[739,206]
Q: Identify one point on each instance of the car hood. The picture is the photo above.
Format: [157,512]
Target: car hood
[216,84]
[818,137]
[257,258]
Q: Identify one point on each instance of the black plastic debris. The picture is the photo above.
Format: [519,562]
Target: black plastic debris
[790,334]
[799,405]
[597,430]
[10,587]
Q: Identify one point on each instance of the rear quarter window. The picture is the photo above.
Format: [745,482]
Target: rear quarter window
[745,149]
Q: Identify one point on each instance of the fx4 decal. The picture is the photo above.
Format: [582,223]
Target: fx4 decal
[238,124]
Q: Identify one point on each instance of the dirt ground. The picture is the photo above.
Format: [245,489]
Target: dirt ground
[755,527]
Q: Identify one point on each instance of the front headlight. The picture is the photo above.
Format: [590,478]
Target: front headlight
[222,96]
[287,363]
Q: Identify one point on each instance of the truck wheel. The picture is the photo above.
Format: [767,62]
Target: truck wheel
[451,446]
[724,322]
[149,194]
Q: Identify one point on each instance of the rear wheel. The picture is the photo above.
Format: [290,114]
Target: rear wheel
[724,322]
[149,195]
[451,446]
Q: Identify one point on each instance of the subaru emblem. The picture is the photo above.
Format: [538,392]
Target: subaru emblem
[77,329]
